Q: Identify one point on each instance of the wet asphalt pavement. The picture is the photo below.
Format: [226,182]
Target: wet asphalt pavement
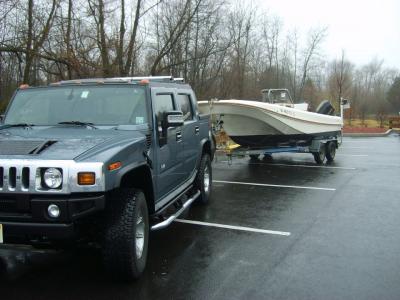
[334,234]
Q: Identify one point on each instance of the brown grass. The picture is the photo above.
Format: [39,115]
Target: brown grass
[371,123]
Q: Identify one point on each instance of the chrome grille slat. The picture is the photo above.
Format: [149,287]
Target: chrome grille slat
[18,179]
[1,177]
[5,178]
[14,178]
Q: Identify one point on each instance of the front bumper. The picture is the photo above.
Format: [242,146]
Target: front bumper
[28,231]
[26,217]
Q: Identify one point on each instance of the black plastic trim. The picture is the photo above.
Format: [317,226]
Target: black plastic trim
[72,208]
[56,231]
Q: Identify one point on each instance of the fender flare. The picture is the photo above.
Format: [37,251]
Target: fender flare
[126,169]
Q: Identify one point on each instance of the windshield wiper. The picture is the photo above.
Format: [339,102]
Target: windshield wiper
[78,123]
[5,126]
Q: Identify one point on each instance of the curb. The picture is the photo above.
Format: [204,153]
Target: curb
[383,134]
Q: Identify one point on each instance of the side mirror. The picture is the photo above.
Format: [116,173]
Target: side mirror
[2,119]
[173,119]
[169,119]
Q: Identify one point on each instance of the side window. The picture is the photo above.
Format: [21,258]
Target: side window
[186,106]
[162,103]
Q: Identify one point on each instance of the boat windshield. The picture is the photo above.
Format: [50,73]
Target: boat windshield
[96,105]
[279,96]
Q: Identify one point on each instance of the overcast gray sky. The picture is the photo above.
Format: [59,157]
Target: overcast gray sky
[364,29]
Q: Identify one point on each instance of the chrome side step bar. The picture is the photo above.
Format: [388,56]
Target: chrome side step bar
[168,221]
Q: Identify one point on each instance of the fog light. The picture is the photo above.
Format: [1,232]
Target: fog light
[53,211]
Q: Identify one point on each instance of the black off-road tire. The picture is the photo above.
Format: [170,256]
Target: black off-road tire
[319,157]
[121,259]
[204,175]
[330,151]
[213,146]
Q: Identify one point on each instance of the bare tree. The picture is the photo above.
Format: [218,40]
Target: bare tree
[340,78]
[132,41]
[316,36]
[34,42]
[241,27]
[293,45]
[271,29]
[223,48]
[173,26]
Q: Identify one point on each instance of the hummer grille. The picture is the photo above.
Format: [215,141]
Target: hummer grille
[14,178]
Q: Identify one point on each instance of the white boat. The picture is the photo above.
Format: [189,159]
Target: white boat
[274,121]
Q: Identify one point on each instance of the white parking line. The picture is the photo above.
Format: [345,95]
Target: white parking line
[290,165]
[353,155]
[240,228]
[308,166]
[343,154]
[363,141]
[275,185]
[344,147]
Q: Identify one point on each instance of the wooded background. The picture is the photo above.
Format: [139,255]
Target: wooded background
[224,49]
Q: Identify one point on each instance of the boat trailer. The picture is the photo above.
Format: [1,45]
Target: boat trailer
[321,148]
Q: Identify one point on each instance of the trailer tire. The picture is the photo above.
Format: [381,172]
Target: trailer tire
[203,181]
[267,157]
[330,151]
[254,156]
[319,156]
[126,235]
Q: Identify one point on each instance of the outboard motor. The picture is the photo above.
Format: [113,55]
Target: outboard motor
[325,108]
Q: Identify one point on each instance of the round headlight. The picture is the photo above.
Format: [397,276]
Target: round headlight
[52,178]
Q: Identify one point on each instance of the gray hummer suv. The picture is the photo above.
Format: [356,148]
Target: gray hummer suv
[102,160]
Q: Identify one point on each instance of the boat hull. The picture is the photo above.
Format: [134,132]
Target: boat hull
[258,124]
[264,141]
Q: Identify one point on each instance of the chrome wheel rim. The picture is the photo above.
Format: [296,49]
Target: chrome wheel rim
[139,235]
[206,179]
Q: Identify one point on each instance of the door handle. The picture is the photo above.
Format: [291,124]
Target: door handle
[196,130]
[179,136]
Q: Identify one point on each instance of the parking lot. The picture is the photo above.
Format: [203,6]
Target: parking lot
[284,228]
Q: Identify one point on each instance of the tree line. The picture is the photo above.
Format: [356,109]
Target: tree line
[223,48]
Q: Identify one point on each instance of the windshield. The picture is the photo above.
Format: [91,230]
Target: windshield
[99,105]
[277,96]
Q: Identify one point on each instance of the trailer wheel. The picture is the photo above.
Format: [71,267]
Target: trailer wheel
[254,156]
[319,157]
[330,151]
[267,157]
